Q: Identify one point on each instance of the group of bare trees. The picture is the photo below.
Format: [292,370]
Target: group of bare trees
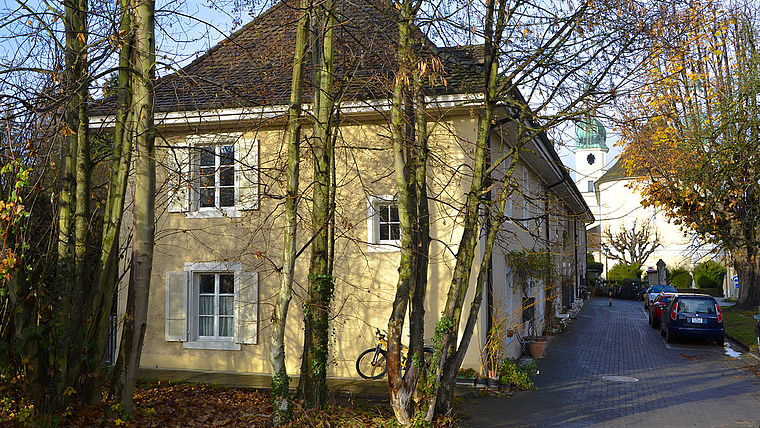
[56,321]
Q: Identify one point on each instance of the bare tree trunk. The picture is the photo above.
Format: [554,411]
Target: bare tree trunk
[144,206]
[106,271]
[280,380]
[313,383]
[451,358]
[72,216]
[410,161]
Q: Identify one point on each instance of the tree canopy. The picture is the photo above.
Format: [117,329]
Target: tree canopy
[693,127]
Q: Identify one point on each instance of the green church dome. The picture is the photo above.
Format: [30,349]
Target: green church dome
[590,134]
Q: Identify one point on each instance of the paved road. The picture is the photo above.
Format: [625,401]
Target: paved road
[684,384]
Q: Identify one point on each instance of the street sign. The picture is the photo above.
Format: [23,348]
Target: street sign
[736,281]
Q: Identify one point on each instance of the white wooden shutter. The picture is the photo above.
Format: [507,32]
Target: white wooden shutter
[176,307]
[178,162]
[246,173]
[247,308]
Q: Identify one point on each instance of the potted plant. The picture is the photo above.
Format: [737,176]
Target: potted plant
[466,377]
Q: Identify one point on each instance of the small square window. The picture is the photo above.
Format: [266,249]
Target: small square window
[383,224]
[591,185]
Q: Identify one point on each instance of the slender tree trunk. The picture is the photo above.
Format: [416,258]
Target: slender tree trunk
[101,305]
[72,216]
[144,206]
[280,380]
[451,358]
[410,156]
[313,383]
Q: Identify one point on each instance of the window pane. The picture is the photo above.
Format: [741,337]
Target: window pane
[383,212]
[207,157]
[225,305]
[395,232]
[207,177]
[205,326]
[394,213]
[226,155]
[227,197]
[226,284]
[227,176]
[225,326]
[207,284]
[206,198]
[384,232]
[206,305]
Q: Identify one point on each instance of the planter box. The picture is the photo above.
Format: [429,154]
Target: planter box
[463,381]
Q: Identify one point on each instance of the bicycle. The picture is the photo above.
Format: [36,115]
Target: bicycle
[373,363]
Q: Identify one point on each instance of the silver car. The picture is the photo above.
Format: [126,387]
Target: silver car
[654,290]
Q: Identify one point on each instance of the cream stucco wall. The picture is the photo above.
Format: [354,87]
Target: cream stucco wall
[365,279]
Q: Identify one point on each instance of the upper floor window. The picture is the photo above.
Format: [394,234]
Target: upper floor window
[216,174]
[591,185]
[213,175]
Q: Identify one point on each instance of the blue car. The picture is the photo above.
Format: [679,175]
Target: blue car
[694,316]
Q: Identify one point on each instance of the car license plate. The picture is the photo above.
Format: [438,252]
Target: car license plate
[698,320]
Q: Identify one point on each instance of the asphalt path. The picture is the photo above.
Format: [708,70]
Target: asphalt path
[611,369]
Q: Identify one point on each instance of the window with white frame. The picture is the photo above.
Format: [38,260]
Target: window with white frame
[212,306]
[383,225]
[213,175]
[216,176]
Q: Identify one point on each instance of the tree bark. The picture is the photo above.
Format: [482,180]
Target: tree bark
[101,304]
[313,382]
[138,292]
[280,380]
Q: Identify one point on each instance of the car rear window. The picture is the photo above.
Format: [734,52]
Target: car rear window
[696,306]
[666,288]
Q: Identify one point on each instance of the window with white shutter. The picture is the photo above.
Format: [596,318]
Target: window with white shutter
[212,306]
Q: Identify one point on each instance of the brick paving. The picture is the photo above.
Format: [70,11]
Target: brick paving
[684,384]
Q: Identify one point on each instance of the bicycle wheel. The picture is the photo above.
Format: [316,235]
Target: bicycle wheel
[372,364]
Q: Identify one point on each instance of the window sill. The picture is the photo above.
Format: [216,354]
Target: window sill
[384,247]
[214,213]
[214,345]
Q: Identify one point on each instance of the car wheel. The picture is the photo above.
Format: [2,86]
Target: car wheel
[655,323]
[720,341]
[662,331]
[650,320]
[669,337]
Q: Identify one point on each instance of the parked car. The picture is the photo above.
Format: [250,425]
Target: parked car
[695,316]
[654,290]
[657,307]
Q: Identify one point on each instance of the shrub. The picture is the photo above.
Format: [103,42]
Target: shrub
[680,278]
[709,274]
[511,372]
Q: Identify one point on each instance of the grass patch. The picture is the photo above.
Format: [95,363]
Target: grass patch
[741,326]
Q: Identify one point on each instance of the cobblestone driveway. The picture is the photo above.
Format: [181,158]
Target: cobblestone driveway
[684,384]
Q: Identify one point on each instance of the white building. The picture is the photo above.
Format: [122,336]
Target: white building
[616,204]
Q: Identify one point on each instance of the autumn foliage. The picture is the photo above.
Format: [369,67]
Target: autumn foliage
[178,404]
[691,130]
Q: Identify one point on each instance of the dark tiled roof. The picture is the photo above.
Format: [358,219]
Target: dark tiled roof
[253,66]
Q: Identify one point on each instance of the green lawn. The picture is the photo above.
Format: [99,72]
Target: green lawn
[741,326]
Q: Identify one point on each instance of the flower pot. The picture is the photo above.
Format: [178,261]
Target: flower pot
[481,382]
[537,348]
[493,383]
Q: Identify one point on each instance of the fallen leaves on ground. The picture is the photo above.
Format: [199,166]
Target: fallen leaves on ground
[172,404]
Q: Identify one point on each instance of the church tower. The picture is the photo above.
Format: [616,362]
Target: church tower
[590,159]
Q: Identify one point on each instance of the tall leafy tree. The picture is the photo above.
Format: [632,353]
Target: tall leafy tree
[693,127]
